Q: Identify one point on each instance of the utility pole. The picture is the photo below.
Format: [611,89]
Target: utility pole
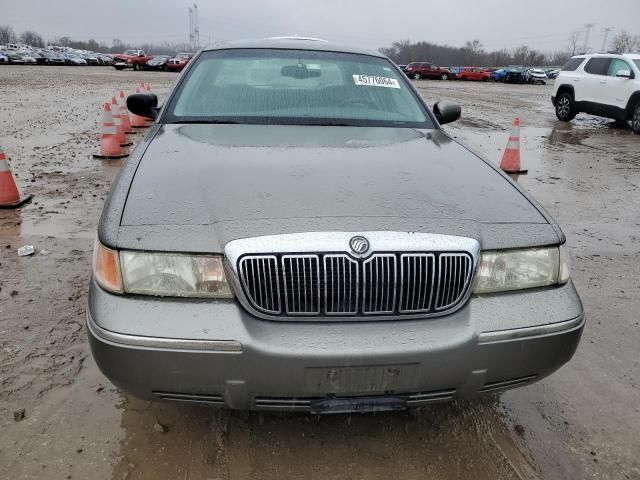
[604,39]
[196,30]
[191,36]
[588,28]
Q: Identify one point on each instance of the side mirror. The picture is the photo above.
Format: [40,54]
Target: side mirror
[143,104]
[447,112]
[625,74]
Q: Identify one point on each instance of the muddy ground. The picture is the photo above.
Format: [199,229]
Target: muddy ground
[582,422]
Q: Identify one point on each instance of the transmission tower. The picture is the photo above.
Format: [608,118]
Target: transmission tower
[196,30]
[588,28]
[191,34]
[605,32]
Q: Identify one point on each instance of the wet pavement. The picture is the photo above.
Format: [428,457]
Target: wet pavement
[582,422]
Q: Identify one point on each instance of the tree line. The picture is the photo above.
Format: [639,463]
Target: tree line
[474,54]
[401,52]
[34,39]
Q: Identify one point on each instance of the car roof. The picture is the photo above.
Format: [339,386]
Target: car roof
[293,43]
[632,56]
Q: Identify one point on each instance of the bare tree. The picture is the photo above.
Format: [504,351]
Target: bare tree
[624,42]
[6,35]
[32,38]
[574,38]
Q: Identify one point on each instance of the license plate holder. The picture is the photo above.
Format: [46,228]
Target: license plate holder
[336,405]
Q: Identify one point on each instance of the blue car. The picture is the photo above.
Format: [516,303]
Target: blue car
[498,75]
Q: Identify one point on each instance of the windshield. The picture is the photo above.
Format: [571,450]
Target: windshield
[133,53]
[296,87]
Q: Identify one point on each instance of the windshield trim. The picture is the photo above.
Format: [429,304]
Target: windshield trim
[166,117]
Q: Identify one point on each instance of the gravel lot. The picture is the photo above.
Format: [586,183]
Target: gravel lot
[582,422]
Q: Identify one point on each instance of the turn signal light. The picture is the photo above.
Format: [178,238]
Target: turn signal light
[106,268]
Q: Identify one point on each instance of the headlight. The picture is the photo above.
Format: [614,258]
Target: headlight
[501,271]
[164,274]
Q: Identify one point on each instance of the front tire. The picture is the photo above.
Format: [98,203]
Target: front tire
[445,76]
[635,120]
[416,76]
[136,67]
[565,107]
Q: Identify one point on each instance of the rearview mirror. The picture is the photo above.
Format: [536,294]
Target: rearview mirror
[143,104]
[299,72]
[625,74]
[447,112]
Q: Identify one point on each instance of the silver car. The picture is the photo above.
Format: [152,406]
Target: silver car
[296,232]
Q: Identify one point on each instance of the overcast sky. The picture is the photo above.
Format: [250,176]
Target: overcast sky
[543,24]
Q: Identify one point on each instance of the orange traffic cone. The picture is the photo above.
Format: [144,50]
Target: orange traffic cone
[117,119]
[511,158]
[10,196]
[109,142]
[136,120]
[126,121]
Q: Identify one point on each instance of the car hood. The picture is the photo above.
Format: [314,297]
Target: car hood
[248,180]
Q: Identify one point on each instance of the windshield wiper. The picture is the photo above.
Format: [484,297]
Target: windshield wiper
[207,122]
[328,124]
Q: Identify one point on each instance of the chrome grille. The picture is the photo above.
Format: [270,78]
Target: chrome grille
[341,285]
[379,292]
[454,275]
[417,271]
[335,284]
[301,274]
[261,282]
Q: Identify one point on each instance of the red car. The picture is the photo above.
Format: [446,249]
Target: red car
[418,70]
[474,73]
[177,63]
[135,59]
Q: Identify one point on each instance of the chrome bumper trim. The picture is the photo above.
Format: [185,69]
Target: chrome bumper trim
[537,331]
[122,340]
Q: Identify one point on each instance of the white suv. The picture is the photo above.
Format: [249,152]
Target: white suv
[607,85]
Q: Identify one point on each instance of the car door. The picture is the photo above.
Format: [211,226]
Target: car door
[593,85]
[619,89]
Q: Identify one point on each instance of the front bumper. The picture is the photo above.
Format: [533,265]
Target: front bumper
[214,352]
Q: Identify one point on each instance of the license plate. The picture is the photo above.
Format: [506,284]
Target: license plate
[361,380]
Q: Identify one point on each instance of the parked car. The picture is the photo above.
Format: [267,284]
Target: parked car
[537,75]
[419,70]
[454,71]
[4,59]
[27,58]
[473,73]
[40,59]
[159,62]
[13,57]
[516,74]
[177,63]
[606,85]
[74,59]
[52,58]
[276,290]
[92,59]
[135,59]
[499,75]
[105,59]
[552,74]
